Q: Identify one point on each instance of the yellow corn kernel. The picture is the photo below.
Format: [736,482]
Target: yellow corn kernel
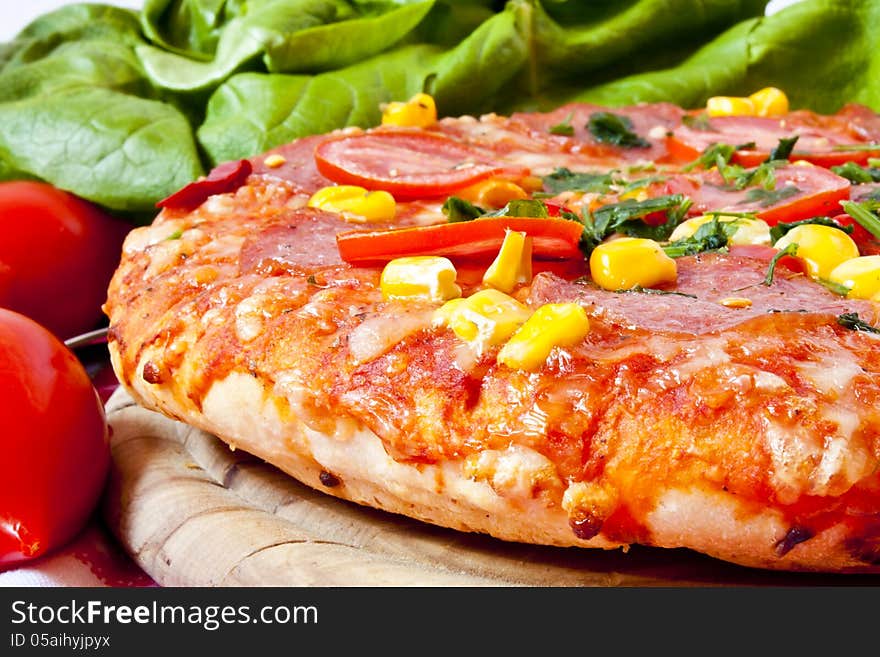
[638,194]
[822,248]
[485,319]
[748,231]
[770,101]
[420,111]
[552,325]
[861,275]
[730,106]
[274,161]
[735,302]
[493,193]
[627,262]
[513,264]
[356,203]
[426,277]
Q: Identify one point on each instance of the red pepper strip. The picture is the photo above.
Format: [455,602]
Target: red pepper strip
[553,239]
[226,177]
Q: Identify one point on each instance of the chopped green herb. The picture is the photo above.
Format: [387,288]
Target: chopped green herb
[791,249]
[837,288]
[624,217]
[865,214]
[565,180]
[783,149]
[857,174]
[521,208]
[564,128]
[639,168]
[852,321]
[625,187]
[765,198]
[874,162]
[458,209]
[698,122]
[783,227]
[711,236]
[311,280]
[714,155]
[638,289]
[854,148]
[176,235]
[608,128]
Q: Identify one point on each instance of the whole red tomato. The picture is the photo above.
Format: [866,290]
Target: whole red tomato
[54,440]
[57,255]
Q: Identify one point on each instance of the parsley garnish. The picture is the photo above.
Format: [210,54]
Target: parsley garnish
[698,122]
[458,209]
[638,289]
[865,214]
[521,208]
[765,198]
[783,227]
[176,235]
[791,249]
[714,155]
[857,174]
[711,236]
[608,128]
[852,322]
[624,217]
[783,149]
[855,147]
[565,180]
[564,128]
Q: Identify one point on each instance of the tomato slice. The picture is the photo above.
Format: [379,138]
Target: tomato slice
[409,164]
[554,239]
[821,143]
[816,191]
[226,177]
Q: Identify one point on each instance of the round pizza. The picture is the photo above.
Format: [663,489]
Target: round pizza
[591,327]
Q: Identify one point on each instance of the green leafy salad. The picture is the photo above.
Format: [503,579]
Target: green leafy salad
[123,107]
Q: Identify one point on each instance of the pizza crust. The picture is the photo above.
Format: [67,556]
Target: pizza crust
[350,462]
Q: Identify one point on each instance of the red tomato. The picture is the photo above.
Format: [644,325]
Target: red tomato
[408,164]
[480,238]
[57,256]
[54,440]
[818,140]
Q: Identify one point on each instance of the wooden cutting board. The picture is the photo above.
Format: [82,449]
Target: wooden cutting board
[192,512]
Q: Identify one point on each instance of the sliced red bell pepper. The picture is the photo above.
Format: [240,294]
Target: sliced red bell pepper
[226,177]
[553,239]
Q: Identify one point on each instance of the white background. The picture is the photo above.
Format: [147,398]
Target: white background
[15,14]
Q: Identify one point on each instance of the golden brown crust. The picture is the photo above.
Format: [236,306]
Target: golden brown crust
[750,436]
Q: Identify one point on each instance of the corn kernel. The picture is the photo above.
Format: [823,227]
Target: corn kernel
[730,106]
[822,248]
[770,101]
[552,325]
[735,302]
[426,277]
[274,161]
[493,193]
[513,264]
[861,275]
[485,319]
[638,194]
[627,262]
[748,231]
[420,111]
[355,203]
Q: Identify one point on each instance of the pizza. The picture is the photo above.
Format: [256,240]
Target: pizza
[592,327]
